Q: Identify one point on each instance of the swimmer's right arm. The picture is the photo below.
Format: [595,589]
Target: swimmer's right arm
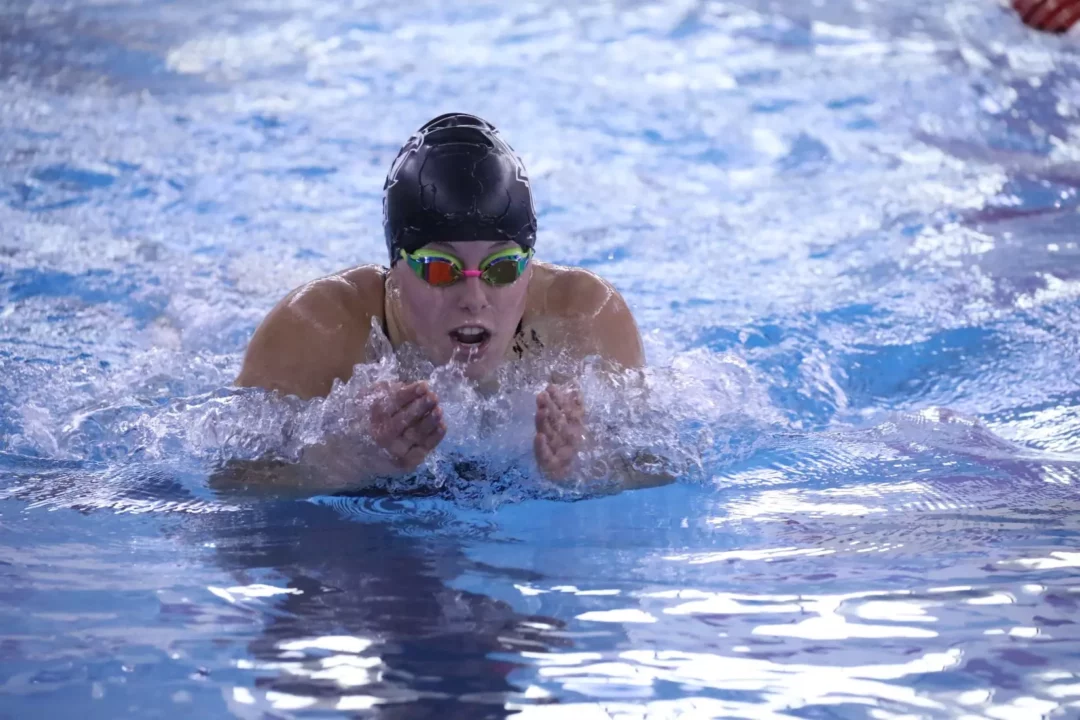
[404,423]
[313,337]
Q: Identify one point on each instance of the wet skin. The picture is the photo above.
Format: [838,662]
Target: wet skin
[320,332]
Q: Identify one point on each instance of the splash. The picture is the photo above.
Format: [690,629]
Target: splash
[700,412]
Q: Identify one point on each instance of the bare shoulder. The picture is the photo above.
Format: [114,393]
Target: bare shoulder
[316,334]
[333,301]
[571,292]
[587,314]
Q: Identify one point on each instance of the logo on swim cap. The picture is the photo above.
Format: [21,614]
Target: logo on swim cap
[455,179]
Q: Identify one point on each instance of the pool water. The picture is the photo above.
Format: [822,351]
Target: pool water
[848,230]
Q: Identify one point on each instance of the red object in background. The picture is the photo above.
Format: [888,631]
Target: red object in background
[1049,15]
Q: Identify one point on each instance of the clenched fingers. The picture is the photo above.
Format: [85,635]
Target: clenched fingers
[410,401]
[407,423]
[565,397]
[411,413]
[564,400]
[432,440]
[551,464]
[407,455]
[428,432]
[549,421]
[560,415]
[424,426]
[392,398]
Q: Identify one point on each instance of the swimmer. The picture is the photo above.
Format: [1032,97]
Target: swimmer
[464,285]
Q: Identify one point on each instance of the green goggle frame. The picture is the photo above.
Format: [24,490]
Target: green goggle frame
[443,269]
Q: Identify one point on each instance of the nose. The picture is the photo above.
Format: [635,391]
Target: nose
[473,295]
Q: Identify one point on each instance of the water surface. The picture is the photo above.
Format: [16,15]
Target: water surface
[848,232]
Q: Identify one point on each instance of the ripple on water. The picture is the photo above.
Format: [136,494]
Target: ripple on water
[847,233]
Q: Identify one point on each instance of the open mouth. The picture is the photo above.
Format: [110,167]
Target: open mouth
[470,335]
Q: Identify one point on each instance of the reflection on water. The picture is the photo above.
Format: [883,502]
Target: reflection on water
[847,230]
[358,617]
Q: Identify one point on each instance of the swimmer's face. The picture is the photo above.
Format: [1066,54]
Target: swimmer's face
[470,321]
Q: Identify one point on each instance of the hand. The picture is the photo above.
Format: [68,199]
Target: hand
[1048,15]
[560,430]
[406,423]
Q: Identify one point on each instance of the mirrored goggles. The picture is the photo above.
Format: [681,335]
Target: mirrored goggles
[443,269]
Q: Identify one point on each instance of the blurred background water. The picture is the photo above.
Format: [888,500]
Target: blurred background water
[848,230]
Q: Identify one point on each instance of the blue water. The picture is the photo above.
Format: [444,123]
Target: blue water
[849,232]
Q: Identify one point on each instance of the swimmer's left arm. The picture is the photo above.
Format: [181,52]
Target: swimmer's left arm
[563,437]
[602,326]
[616,334]
[599,322]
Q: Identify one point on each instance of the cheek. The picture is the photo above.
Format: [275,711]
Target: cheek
[509,304]
[427,308]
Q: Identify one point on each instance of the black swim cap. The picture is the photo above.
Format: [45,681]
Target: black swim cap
[456,179]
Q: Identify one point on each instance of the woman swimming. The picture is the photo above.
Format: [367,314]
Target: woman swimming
[463,286]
